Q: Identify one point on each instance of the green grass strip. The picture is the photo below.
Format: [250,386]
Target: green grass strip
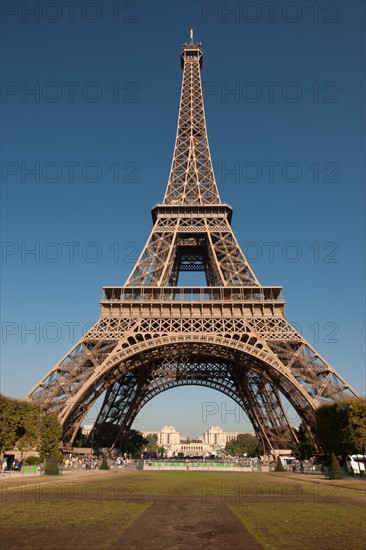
[304,526]
[86,524]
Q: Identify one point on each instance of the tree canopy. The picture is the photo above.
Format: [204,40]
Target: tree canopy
[152,444]
[304,449]
[24,426]
[244,444]
[341,426]
[50,434]
[135,442]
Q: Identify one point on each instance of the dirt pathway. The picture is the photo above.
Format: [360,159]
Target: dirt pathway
[187,523]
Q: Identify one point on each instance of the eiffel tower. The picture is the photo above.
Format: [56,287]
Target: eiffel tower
[152,335]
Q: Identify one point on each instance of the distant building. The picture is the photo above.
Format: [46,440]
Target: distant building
[217,438]
[167,436]
[211,442]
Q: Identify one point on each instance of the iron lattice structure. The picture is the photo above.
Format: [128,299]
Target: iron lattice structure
[153,335]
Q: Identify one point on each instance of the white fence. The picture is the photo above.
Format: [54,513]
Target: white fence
[201,466]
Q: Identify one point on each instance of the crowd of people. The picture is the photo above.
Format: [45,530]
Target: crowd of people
[91,462]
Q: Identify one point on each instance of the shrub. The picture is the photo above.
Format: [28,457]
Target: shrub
[51,468]
[279,465]
[334,465]
[32,460]
[104,464]
[341,426]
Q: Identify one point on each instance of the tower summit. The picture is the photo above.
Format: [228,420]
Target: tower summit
[192,228]
[191,39]
[191,179]
[231,335]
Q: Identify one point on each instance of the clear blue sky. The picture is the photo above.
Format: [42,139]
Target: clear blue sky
[284,93]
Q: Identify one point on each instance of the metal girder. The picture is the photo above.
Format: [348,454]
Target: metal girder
[253,393]
[152,335]
[228,265]
[191,179]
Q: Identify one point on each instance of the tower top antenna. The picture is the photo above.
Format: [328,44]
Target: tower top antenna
[191,40]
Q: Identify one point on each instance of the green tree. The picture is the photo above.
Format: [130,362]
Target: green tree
[51,467]
[152,443]
[279,466]
[304,449]
[50,435]
[334,465]
[231,447]
[244,444]
[249,443]
[335,470]
[341,426]
[23,425]
[31,460]
[19,424]
[135,442]
[8,423]
[104,464]
[357,417]
[29,426]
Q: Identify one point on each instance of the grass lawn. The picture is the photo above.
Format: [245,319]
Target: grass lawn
[170,483]
[86,524]
[93,511]
[245,486]
[304,526]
